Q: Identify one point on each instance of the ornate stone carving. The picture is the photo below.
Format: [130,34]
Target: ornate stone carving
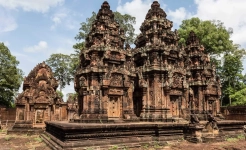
[39,96]
[150,75]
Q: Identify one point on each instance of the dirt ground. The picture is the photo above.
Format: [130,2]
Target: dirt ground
[21,142]
[34,142]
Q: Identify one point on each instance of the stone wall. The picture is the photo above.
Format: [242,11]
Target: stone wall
[7,114]
[234,112]
[7,117]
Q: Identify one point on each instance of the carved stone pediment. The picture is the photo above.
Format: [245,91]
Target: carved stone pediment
[39,86]
[116,80]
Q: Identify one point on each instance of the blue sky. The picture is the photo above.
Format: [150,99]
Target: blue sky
[34,29]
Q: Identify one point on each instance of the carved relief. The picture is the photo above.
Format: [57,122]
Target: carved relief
[116,80]
[148,75]
[39,93]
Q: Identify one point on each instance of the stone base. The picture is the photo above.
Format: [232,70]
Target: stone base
[84,135]
[103,118]
[226,128]
[32,131]
[193,133]
[61,135]
[25,127]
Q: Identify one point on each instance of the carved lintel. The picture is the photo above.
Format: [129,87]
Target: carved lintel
[115,91]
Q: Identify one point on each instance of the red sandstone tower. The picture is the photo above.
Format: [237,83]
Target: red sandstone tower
[104,81]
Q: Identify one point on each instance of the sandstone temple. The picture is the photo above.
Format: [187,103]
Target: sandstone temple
[156,81]
[39,101]
[156,92]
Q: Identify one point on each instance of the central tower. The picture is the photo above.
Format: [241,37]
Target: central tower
[160,65]
[104,80]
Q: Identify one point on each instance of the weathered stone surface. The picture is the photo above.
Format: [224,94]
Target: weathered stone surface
[74,135]
[157,81]
[105,79]
[39,101]
[134,96]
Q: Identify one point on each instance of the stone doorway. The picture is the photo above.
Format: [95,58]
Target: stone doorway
[174,106]
[114,107]
[39,116]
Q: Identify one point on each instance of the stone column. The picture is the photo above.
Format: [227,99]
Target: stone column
[200,99]
[145,103]
[27,111]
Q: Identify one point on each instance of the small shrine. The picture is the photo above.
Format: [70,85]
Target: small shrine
[39,101]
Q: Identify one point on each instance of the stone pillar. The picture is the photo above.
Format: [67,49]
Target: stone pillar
[168,105]
[200,98]
[27,111]
[218,106]
[144,111]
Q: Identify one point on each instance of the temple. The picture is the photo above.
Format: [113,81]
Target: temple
[156,92]
[157,81]
[39,101]
[105,80]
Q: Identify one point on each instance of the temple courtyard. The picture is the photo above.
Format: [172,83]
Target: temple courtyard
[34,142]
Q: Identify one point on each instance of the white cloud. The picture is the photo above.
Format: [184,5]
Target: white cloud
[178,15]
[136,8]
[57,19]
[7,22]
[41,46]
[231,12]
[62,45]
[30,5]
[66,18]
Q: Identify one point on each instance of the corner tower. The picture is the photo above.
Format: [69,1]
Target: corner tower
[204,85]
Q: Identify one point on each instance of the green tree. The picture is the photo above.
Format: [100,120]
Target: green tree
[75,61]
[60,94]
[212,34]
[10,76]
[125,21]
[231,73]
[239,97]
[60,64]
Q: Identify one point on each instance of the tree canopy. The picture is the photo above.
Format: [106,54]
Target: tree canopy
[60,64]
[212,34]
[10,76]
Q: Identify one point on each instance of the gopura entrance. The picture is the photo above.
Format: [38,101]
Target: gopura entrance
[39,101]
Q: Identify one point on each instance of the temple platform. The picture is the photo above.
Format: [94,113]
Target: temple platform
[26,127]
[81,135]
[62,135]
